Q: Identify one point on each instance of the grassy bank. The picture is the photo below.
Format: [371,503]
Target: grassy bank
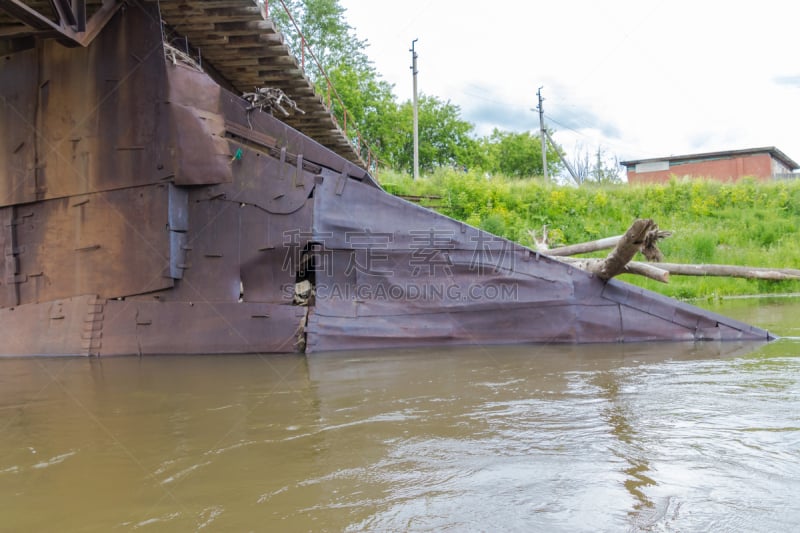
[746,223]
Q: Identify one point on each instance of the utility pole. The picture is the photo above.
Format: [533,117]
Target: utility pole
[598,172]
[563,159]
[416,111]
[542,133]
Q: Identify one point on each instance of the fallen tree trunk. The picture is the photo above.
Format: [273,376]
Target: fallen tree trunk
[662,271]
[734,271]
[642,269]
[648,248]
[626,247]
[642,236]
[649,271]
[584,247]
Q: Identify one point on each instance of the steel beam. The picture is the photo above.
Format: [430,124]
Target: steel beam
[70,31]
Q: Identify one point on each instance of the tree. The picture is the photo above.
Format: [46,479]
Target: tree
[581,164]
[597,166]
[370,105]
[606,169]
[518,155]
[347,74]
[324,31]
[347,79]
[444,137]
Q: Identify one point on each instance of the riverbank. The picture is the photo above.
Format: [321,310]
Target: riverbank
[747,223]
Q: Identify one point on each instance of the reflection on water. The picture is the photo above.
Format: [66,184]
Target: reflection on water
[646,437]
[773,313]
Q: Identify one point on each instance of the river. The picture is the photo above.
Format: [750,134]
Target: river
[625,437]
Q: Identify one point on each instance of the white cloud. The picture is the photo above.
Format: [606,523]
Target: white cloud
[643,79]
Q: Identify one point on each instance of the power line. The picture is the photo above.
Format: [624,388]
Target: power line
[607,140]
[551,119]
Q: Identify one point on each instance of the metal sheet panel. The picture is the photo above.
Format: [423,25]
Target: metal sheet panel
[638,326]
[59,327]
[235,110]
[238,238]
[18,90]
[178,208]
[202,155]
[236,250]
[177,254]
[189,87]
[414,277]
[336,285]
[9,263]
[178,224]
[139,327]
[211,262]
[567,323]
[87,325]
[99,123]
[683,314]
[112,244]
[277,185]
[345,206]
[401,275]
[108,130]
[271,251]
[399,288]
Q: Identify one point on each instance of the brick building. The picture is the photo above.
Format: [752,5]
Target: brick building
[761,163]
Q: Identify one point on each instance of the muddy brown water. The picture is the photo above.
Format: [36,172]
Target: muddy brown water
[634,437]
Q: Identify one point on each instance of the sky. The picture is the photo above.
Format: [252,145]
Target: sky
[638,79]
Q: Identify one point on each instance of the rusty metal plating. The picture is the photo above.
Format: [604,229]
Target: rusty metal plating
[146,208]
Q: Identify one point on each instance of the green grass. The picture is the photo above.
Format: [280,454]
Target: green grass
[745,223]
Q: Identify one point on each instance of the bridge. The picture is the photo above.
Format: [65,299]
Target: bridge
[232,40]
[170,183]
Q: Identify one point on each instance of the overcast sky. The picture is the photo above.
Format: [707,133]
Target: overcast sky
[640,78]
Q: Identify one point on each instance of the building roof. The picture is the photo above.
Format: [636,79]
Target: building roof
[727,154]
